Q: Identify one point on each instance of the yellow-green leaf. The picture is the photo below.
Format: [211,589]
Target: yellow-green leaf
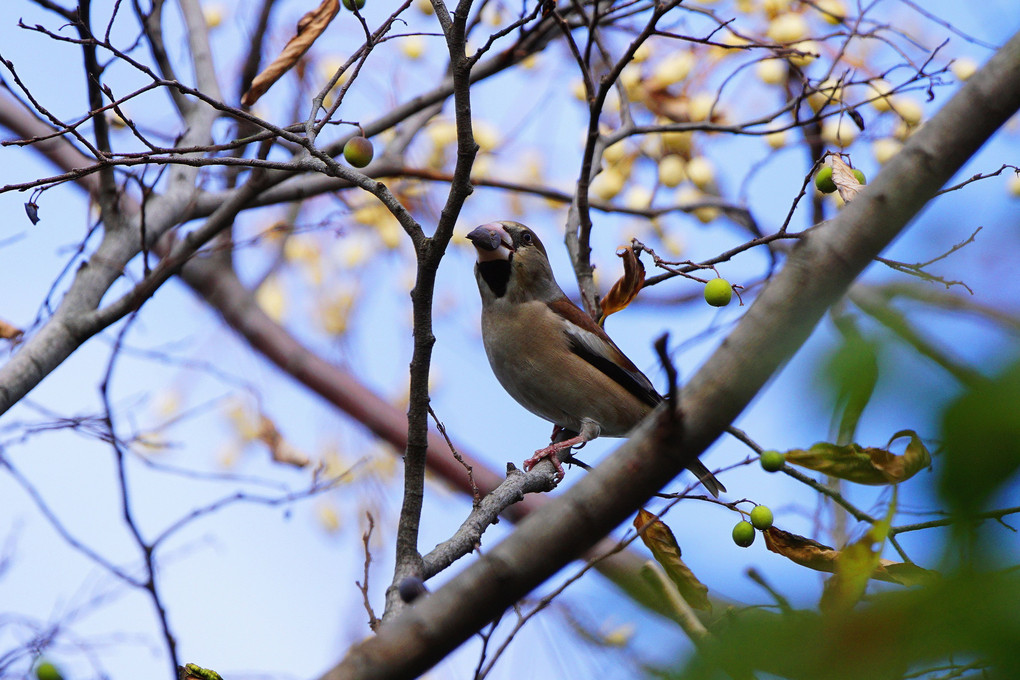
[855,566]
[192,670]
[851,373]
[660,540]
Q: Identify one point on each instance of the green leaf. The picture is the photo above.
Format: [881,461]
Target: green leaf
[905,574]
[981,434]
[852,372]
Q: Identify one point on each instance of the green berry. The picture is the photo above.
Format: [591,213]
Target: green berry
[358,151]
[351,4]
[718,292]
[823,180]
[861,179]
[761,517]
[47,671]
[772,461]
[743,534]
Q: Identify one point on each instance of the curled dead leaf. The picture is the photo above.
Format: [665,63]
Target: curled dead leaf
[804,551]
[626,287]
[666,551]
[309,28]
[914,458]
[32,210]
[865,465]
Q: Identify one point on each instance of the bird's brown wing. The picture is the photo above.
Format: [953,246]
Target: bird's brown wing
[590,342]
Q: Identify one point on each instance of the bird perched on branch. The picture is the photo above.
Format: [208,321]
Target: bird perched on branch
[551,356]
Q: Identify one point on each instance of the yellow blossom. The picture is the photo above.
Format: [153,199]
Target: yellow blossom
[271,297]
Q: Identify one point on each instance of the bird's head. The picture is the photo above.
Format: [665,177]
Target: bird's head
[512,261]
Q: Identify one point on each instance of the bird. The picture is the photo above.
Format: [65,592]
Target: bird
[551,356]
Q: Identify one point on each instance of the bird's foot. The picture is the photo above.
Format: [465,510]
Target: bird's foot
[550,453]
[541,455]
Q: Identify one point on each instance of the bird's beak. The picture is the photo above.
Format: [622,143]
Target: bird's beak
[488,240]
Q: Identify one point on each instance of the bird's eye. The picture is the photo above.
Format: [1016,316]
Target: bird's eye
[525,237]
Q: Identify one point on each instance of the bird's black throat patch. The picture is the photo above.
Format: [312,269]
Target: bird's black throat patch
[495,273]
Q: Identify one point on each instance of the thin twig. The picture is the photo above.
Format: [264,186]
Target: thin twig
[373,622]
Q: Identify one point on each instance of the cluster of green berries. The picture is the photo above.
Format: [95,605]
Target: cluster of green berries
[743,532]
[761,516]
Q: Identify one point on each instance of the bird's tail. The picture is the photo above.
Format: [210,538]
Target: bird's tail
[708,480]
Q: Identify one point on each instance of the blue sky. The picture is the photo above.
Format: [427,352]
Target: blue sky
[255,590]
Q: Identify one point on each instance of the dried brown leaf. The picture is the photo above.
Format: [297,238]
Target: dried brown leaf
[843,178]
[627,286]
[814,555]
[309,28]
[32,210]
[665,105]
[281,450]
[9,332]
[676,108]
[804,551]
[666,551]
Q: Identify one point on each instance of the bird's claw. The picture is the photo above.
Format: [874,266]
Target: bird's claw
[542,454]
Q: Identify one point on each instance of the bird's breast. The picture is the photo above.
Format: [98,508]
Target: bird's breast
[531,357]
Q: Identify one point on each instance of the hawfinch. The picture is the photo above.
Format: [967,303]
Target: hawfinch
[551,356]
